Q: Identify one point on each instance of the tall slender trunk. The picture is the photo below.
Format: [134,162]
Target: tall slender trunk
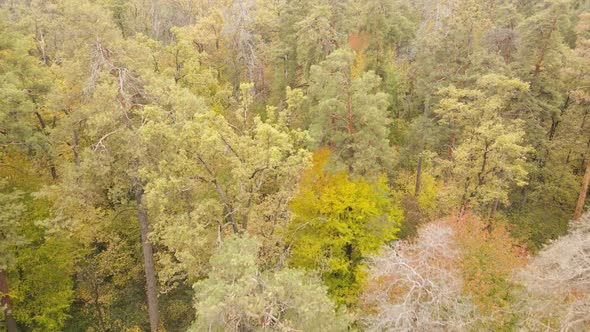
[583,191]
[6,303]
[450,151]
[451,148]
[540,61]
[148,263]
[492,214]
[75,142]
[422,147]
[53,170]
[418,176]
[43,125]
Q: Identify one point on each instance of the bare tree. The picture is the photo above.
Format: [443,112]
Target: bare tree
[414,287]
[558,283]
[238,29]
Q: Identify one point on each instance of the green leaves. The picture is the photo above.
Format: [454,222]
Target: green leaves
[491,153]
[206,112]
[237,295]
[222,174]
[350,116]
[11,211]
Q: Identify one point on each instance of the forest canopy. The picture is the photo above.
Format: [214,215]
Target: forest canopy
[304,165]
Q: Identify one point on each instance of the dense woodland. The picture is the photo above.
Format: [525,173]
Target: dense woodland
[294,165]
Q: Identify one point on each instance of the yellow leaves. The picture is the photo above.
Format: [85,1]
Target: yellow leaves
[502,84]
[336,221]
[404,185]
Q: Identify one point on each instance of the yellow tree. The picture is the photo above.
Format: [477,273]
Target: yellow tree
[338,220]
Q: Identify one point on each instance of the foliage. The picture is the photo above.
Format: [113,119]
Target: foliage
[238,296]
[23,88]
[136,138]
[491,154]
[486,264]
[222,175]
[453,275]
[12,210]
[39,265]
[44,292]
[349,115]
[337,221]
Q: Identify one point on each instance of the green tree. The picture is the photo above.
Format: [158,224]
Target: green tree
[12,209]
[24,126]
[349,115]
[238,296]
[316,34]
[491,153]
[539,61]
[36,264]
[221,175]
[105,175]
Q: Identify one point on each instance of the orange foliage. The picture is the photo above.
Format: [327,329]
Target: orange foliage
[358,41]
[487,262]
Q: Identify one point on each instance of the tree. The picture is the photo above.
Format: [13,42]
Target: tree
[384,30]
[349,115]
[583,191]
[337,221]
[320,30]
[539,60]
[43,281]
[238,296]
[106,172]
[487,261]
[417,285]
[580,96]
[35,264]
[491,152]
[221,175]
[12,210]
[25,84]
[557,283]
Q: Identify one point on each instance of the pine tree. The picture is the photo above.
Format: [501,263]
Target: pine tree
[349,115]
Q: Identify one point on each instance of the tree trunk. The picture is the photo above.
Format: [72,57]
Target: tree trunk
[422,147]
[492,214]
[148,262]
[451,150]
[6,303]
[494,209]
[583,191]
[418,176]
[97,304]
[75,142]
[451,146]
[53,170]
[43,125]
